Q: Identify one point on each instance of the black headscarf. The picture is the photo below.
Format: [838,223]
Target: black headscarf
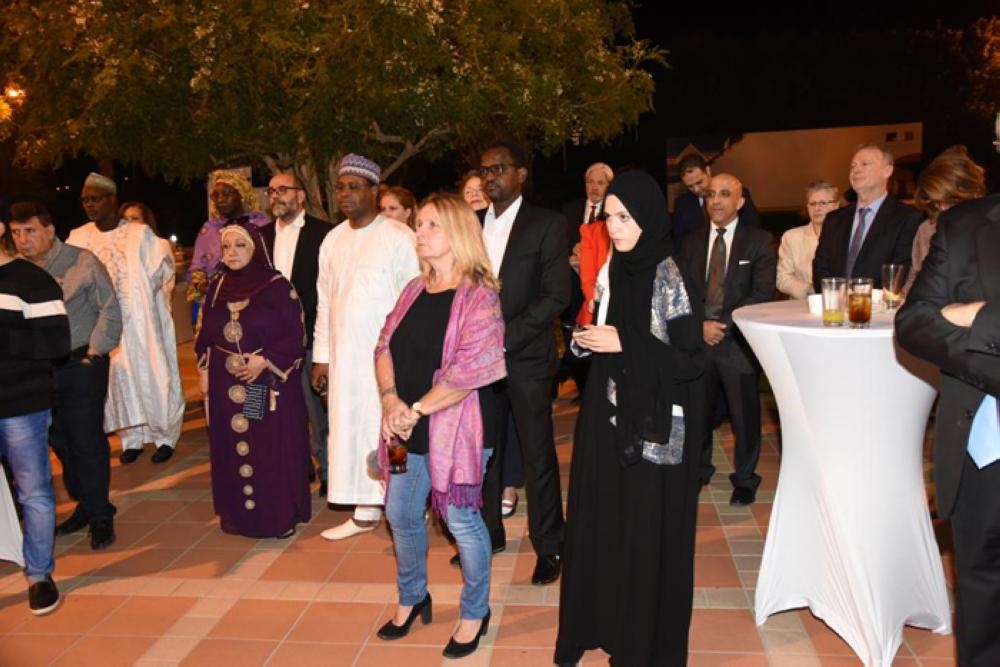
[645,377]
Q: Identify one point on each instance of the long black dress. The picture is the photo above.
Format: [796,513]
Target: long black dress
[628,556]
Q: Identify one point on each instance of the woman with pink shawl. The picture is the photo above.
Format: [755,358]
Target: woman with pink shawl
[440,349]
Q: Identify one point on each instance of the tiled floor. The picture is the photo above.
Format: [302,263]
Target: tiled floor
[176,590]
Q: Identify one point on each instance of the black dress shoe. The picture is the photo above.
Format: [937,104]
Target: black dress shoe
[742,495]
[102,534]
[129,455]
[162,453]
[456,649]
[456,560]
[391,631]
[77,521]
[546,570]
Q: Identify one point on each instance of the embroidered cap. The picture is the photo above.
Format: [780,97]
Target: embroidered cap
[95,180]
[359,165]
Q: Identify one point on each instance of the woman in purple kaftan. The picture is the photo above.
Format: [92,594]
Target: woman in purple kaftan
[251,347]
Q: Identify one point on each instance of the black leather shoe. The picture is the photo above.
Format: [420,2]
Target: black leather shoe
[546,570]
[129,456]
[162,453]
[43,597]
[391,631]
[77,521]
[456,560]
[102,534]
[742,495]
[456,649]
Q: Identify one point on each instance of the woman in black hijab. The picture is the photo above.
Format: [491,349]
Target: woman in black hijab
[628,558]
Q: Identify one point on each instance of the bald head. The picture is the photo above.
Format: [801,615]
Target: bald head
[724,199]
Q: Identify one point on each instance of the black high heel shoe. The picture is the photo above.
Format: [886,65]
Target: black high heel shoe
[456,649]
[391,631]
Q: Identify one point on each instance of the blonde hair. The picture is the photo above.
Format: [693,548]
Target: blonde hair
[465,235]
[952,177]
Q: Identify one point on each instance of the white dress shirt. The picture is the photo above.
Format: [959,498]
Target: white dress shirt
[727,236]
[496,232]
[286,237]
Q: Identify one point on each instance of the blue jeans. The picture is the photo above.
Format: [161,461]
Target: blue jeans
[404,509]
[24,441]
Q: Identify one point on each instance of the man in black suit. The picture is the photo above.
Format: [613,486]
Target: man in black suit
[294,240]
[528,245]
[733,266]
[878,229]
[952,318]
[689,208]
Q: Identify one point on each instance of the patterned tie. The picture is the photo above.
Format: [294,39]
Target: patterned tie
[716,276]
[984,436]
[857,240]
[593,214]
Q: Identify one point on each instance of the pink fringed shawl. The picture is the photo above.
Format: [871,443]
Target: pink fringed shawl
[472,357]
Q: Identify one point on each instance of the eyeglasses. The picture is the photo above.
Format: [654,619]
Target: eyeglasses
[92,199]
[281,190]
[223,193]
[350,187]
[496,170]
[822,202]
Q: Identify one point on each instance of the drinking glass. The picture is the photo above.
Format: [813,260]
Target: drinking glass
[396,450]
[859,302]
[834,301]
[893,279]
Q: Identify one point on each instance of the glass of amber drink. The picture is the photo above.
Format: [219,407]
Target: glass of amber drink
[859,302]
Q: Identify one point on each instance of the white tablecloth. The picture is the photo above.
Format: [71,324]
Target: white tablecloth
[10,529]
[850,535]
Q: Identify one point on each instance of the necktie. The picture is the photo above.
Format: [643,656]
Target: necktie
[984,436]
[857,240]
[593,214]
[716,276]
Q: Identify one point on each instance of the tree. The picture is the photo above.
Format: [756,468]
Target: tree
[182,86]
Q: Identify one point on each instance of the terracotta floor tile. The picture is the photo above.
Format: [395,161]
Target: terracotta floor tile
[296,654]
[258,619]
[129,533]
[198,512]
[145,616]
[139,561]
[715,571]
[707,516]
[26,650]
[215,652]
[527,626]
[381,655]
[113,651]
[342,622]
[13,612]
[711,540]
[214,538]
[83,560]
[198,562]
[825,640]
[698,659]
[366,567]
[151,511]
[303,566]
[173,535]
[76,614]
[520,657]
[731,630]
[926,644]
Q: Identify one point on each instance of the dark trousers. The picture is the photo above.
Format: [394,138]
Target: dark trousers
[730,368]
[530,404]
[77,435]
[975,524]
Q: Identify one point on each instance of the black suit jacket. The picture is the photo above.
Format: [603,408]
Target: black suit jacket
[750,273]
[689,214]
[534,289]
[305,266]
[963,267]
[889,241]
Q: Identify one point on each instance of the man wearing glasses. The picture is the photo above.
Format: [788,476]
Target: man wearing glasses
[798,245]
[527,247]
[364,263]
[294,241]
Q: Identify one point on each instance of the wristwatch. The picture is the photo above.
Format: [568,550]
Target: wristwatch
[416,407]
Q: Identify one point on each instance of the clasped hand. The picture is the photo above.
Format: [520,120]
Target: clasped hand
[598,338]
[253,366]
[397,418]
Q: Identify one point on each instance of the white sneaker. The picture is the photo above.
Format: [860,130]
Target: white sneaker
[347,529]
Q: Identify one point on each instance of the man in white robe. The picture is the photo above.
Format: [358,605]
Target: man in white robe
[363,265]
[145,400]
